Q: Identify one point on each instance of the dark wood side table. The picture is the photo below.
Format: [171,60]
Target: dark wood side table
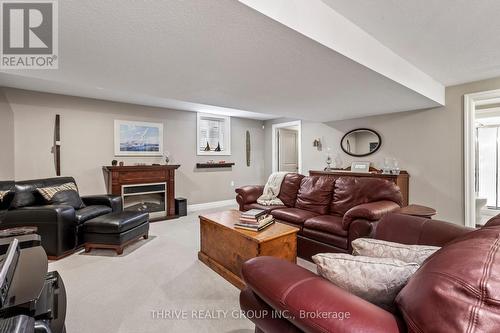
[418,210]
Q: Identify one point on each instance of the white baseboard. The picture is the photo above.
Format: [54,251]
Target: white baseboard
[210,205]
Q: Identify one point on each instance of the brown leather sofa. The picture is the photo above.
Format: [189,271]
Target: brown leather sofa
[456,290]
[330,211]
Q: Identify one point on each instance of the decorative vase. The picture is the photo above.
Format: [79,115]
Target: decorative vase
[386,170]
[166,157]
[218,147]
[395,167]
[328,163]
[114,162]
[207,148]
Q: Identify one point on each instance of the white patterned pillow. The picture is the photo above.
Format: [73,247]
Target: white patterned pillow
[383,249]
[377,280]
[3,194]
[49,192]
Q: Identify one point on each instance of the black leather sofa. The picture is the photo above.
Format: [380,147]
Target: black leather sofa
[60,226]
[5,203]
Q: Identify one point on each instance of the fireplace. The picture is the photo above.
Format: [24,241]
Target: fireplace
[151,198]
[144,187]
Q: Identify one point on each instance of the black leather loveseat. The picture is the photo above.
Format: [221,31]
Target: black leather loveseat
[60,226]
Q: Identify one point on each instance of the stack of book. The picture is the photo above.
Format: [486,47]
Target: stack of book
[255,220]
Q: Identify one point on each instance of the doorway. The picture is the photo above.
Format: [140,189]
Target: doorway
[286,147]
[481,156]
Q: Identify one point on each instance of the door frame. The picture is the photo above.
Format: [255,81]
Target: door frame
[275,128]
[470,103]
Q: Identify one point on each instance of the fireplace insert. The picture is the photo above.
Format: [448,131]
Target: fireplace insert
[151,198]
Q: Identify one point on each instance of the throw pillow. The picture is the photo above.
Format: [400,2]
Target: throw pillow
[24,195]
[377,280]
[65,194]
[3,194]
[383,249]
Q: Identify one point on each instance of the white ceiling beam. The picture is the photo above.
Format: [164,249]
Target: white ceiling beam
[316,20]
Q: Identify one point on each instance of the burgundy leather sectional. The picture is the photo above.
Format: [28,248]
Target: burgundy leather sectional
[457,289]
[330,211]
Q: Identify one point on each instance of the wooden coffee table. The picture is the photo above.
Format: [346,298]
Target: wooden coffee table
[225,248]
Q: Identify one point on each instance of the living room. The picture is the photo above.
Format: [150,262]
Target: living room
[141,140]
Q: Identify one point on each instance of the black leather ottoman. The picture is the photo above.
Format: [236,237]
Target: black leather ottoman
[115,230]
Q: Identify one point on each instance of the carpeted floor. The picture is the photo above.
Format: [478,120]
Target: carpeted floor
[157,285]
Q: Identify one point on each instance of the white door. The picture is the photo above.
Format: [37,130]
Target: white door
[288,153]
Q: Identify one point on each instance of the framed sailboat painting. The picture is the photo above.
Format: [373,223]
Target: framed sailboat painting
[135,138]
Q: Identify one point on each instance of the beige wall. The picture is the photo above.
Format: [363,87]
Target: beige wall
[6,139]
[427,143]
[87,144]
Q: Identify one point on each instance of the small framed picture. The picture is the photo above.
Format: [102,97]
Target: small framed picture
[360,167]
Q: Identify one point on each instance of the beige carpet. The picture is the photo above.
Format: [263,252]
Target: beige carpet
[157,285]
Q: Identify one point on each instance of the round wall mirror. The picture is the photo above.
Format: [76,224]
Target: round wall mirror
[361,142]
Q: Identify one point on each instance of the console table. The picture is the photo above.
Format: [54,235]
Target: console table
[118,178]
[402,180]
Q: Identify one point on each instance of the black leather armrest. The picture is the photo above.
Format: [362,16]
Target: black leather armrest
[38,215]
[56,225]
[113,201]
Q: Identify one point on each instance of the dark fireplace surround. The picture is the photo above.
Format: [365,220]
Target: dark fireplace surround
[144,188]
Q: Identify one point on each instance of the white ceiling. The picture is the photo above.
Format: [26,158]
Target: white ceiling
[454,41]
[219,56]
